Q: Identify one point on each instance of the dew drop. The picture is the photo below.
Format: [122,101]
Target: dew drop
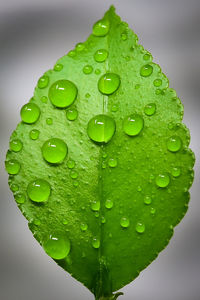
[20,198]
[39,190]
[124,222]
[157,82]
[146,70]
[12,166]
[95,243]
[30,113]
[62,93]
[140,227]
[101,27]
[58,67]
[57,246]
[71,164]
[162,180]
[73,174]
[124,36]
[71,53]
[34,134]
[36,222]
[49,121]
[16,145]
[97,71]
[87,69]
[71,114]
[147,56]
[43,81]
[95,205]
[103,220]
[65,222]
[153,211]
[101,128]
[54,150]
[108,204]
[80,47]
[133,124]
[150,109]
[176,171]
[108,83]
[112,162]
[114,108]
[44,99]
[103,165]
[174,143]
[14,187]
[100,55]
[147,200]
[87,95]
[84,226]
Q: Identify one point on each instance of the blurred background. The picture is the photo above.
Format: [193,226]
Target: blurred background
[33,35]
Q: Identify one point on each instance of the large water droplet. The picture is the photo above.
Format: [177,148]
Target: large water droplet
[57,246]
[124,222]
[146,70]
[150,109]
[140,227]
[30,113]
[62,93]
[95,243]
[133,124]
[54,150]
[12,166]
[16,145]
[72,114]
[101,55]
[34,134]
[43,81]
[162,180]
[101,27]
[108,83]
[101,128]
[109,203]
[174,143]
[39,190]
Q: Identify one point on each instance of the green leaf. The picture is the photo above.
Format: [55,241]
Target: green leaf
[100,164]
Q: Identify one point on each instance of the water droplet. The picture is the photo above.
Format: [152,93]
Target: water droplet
[80,47]
[162,180]
[43,81]
[124,36]
[101,128]
[139,189]
[157,82]
[95,243]
[30,113]
[36,222]
[133,124]
[71,164]
[12,166]
[150,109]
[96,214]
[65,222]
[44,99]
[124,222]
[108,203]
[101,27]
[58,67]
[71,53]
[39,190]
[57,246]
[146,56]
[95,205]
[147,200]
[72,114]
[114,108]
[176,172]
[34,134]
[87,95]
[153,211]
[140,227]
[14,187]
[103,165]
[54,150]
[84,226]
[146,70]
[73,174]
[20,198]
[174,143]
[103,220]
[49,121]
[87,69]
[112,162]
[97,71]
[62,93]
[101,55]
[16,145]
[108,83]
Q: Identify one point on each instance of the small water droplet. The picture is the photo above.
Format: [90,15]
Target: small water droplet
[108,83]
[80,47]
[43,81]
[101,27]
[147,200]
[146,70]
[133,124]
[30,113]
[16,145]
[114,108]
[153,211]
[72,114]
[108,203]
[124,222]
[103,165]
[95,243]
[174,143]
[140,227]
[101,128]
[14,187]
[162,180]
[97,71]
[39,190]
[146,56]
[54,150]
[58,67]
[34,134]
[57,246]
[87,95]
[87,69]
[124,36]
[157,82]
[72,53]
[49,121]
[101,55]
[12,166]
[65,222]
[95,205]
[96,214]
[36,222]
[62,93]
[150,109]
[73,174]
[20,198]
[103,220]
[84,226]
[71,164]
[112,162]
[44,99]
[176,171]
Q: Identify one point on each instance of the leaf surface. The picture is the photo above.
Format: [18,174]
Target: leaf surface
[100,164]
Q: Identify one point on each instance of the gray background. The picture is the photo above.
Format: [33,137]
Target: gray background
[33,34]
